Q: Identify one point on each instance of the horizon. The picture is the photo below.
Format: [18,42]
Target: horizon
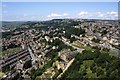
[63,18]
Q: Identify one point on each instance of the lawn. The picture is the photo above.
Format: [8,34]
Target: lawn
[1,74]
[10,51]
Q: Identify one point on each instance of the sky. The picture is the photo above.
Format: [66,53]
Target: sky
[60,0]
[40,11]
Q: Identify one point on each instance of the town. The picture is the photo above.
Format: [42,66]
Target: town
[52,49]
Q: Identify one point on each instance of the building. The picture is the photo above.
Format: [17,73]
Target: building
[67,55]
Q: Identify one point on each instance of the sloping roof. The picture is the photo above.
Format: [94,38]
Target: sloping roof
[69,54]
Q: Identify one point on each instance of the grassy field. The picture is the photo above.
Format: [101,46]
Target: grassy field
[10,51]
[89,48]
[1,74]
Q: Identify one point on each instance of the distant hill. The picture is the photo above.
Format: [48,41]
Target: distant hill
[12,23]
[53,22]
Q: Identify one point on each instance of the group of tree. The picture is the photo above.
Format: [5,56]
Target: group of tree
[27,64]
[102,66]
[72,30]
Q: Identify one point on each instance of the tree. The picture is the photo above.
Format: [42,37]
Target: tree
[72,39]
[37,72]
[95,40]
[56,42]
[114,74]
[27,64]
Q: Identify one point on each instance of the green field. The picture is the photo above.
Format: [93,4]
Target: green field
[10,51]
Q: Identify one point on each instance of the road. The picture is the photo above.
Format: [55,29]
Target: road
[68,65]
[32,55]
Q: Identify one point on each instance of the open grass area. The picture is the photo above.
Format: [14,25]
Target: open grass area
[89,48]
[38,78]
[79,45]
[112,52]
[10,51]
[1,74]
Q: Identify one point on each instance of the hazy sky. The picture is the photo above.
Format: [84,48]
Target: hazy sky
[60,0]
[27,11]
